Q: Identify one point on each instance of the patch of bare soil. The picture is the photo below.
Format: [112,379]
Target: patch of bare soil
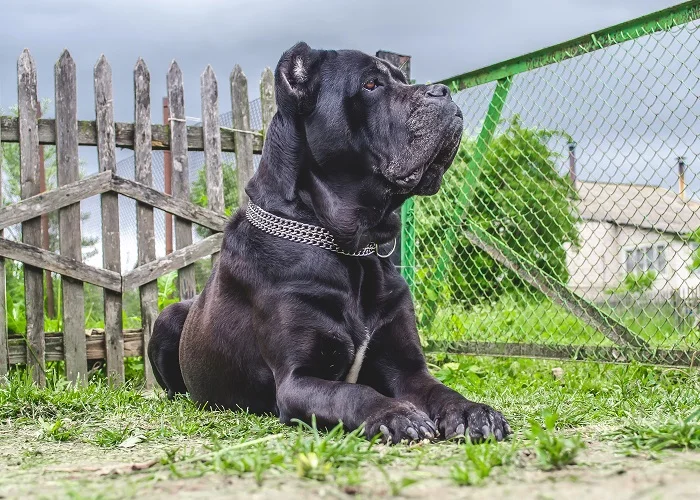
[32,468]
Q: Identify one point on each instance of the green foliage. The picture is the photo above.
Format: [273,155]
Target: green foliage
[16,319]
[693,239]
[681,434]
[553,451]
[194,441]
[199,192]
[11,193]
[167,290]
[518,198]
[318,455]
[58,430]
[635,283]
[479,462]
[111,437]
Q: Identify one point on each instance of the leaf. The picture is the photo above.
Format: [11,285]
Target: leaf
[132,441]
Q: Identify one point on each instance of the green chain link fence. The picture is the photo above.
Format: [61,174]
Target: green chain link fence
[568,224]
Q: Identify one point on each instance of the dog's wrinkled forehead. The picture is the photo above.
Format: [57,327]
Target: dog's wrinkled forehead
[353,62]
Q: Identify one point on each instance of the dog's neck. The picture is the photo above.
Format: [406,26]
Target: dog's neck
[285,185]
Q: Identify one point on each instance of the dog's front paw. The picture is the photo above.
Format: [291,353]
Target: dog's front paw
[478,420]
[401,421]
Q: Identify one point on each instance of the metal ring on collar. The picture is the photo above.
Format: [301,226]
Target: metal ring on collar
[387,255]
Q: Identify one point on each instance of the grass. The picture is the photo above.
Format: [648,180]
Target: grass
[553,451]
[679,433]
[480,460]
[626,405]
[527,319]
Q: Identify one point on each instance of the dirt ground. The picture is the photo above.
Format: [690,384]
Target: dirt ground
[30,468]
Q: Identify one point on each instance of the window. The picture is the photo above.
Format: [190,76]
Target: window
[646,258]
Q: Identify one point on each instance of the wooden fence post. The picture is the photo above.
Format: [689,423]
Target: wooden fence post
[243,135]
[181,177]
[268,106]
[212,144]
[144,213]
[72,291]
[4,350]
[31,229]
[111,258]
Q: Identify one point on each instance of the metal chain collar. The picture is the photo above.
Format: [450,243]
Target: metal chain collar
[300,232]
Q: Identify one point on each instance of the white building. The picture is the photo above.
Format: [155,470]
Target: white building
[628,228]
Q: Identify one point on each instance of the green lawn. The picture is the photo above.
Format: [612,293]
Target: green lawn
[528,320]
[55,435]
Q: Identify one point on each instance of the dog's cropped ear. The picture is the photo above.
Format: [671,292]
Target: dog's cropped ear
[297,79]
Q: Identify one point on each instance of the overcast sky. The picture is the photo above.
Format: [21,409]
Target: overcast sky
[443,37]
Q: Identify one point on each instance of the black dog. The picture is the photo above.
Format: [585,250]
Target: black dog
[288,322]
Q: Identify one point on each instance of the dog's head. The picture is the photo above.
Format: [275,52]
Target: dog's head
[352,140]
[357,106]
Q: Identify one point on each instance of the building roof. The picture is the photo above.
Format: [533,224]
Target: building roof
[650,207]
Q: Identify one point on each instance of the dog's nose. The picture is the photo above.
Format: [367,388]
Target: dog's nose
[437,90]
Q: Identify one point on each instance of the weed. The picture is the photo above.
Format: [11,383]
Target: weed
[317,455]
[553,451]
[480,460]
[109,438]
[681,434]
[58,430]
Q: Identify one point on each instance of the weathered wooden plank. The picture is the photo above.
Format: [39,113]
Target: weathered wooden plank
[94,340]
[212,145]
[102,183]
[31,230]
[4,353]
[180,208]
[65,266]
[111,258]
[133,346]
[148,292]
[70,241]
[124,135]
[50,201]
[172,262]
[181,176]
[268,106]
[241,122]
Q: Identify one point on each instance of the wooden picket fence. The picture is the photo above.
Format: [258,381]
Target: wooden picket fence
[67,133]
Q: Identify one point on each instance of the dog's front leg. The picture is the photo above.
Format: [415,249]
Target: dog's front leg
[395,365]
[300,397]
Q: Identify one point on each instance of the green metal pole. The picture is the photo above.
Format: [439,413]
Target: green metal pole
[408,243]
[662,20]
[488,129]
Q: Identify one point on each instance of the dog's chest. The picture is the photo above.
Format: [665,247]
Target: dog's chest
[367,310]
[360,352]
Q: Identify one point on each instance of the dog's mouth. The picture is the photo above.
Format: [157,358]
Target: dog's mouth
[425,178]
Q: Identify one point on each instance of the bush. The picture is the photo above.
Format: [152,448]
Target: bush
[518,198]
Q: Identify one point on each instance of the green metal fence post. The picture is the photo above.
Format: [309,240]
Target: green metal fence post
[408,243]
[488,129]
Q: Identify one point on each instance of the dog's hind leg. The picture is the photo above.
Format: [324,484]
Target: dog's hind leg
[164,347]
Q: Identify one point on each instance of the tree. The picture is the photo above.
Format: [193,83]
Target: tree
[11,191]
[519,198]
[199,197]
[10,163]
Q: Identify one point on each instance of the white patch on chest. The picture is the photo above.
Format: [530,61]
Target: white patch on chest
[354,372]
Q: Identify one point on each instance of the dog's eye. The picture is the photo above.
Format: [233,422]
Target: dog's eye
[370,84]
